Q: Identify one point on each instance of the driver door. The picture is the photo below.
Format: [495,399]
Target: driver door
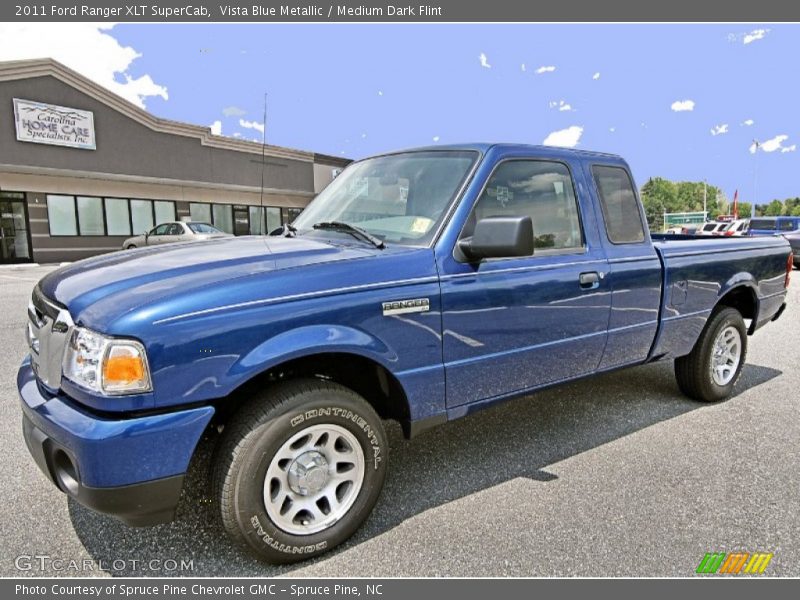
[515,324]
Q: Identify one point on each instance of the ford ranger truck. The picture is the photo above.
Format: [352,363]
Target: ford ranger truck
[419,286]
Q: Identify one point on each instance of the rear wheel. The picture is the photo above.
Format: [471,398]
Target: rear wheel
[709,372]
[130,247]
[299,469]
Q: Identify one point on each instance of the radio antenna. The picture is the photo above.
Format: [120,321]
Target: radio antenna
[262,216]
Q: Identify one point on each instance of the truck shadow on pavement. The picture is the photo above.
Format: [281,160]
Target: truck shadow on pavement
[519,438]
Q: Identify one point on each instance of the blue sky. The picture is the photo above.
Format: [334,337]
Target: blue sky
[354,90]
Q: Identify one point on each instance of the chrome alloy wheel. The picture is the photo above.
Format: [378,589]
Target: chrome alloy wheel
[314,479]
[726,355]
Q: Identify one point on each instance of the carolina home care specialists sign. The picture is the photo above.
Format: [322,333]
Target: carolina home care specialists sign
[55,125]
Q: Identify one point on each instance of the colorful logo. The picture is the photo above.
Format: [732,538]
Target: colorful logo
[735,563]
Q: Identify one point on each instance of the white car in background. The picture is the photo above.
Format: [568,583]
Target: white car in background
[712,228]
[175,231]
[736,228]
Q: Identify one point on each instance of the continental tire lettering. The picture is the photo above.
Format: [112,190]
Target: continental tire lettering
[286,548]
[348,415]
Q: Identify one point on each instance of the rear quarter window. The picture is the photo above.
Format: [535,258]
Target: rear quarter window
[620,208]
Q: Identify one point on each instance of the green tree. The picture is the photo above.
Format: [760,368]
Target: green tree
[744,210]
[774,209]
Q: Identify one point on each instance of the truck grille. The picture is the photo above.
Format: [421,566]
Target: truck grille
[49,328]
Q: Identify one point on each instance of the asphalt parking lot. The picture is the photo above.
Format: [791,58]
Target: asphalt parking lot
[616,475]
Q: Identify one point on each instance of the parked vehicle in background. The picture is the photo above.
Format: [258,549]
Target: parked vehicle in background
[794,240]
[689,229]
[419,286]
[175,231]
[773,225]
[712,228]
[735,228]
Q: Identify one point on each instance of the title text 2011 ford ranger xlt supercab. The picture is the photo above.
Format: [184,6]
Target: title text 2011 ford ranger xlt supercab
[419,286]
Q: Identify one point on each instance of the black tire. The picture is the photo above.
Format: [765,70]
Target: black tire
[130,247]
[258,431]
[693,371]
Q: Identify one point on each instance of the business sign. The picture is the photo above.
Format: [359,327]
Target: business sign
[54,125]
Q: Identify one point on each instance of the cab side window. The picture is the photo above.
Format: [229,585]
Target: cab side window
[175,229]
[540,189]
[160,230]
[620,208]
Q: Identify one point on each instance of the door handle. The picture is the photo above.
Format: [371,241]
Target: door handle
[589,280]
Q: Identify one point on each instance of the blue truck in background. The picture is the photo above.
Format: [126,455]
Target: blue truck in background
[419,286]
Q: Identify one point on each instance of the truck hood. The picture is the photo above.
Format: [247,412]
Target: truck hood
[99,290]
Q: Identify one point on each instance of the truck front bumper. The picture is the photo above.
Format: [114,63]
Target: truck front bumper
[131,468]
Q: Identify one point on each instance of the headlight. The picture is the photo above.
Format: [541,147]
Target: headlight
[107,365]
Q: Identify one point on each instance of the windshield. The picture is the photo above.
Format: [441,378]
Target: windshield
[399,198]
[203,228]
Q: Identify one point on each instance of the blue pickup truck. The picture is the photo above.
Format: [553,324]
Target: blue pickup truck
[418,287]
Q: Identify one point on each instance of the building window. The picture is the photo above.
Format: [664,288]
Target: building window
[142,215]
[273,218]
[256,220]
[118,216]
[223,217]
[61,215]
[200,213]
[165,211]
[257,224]
[90,216]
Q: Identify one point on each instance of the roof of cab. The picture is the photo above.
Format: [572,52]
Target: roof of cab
[484,147]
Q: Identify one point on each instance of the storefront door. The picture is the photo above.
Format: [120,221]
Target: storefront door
[15,246]
[241,220]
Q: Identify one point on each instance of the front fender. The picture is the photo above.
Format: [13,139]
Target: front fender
[312,339]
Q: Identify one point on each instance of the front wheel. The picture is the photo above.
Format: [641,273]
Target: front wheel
[299,469]
[709,372]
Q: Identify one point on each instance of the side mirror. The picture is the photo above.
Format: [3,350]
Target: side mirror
[499,237]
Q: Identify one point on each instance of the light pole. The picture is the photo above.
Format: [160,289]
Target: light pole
[756,145]
[705,200]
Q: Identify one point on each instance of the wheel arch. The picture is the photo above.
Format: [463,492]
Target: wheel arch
[346,356]
[743,297]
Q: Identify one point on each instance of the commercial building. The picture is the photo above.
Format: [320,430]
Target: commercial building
[81,169]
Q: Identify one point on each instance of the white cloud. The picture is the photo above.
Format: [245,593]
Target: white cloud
[566,138]
[719,129]
[484,61]
[773,145]
[363,136]
[748,122]
[562,105]
[523,67]
[233,111]
[436,138]
[380,92]
[683,105]
[216,128]
[252,125]
[89,49]
[612,129]
[596,76]
[756,34]
[545,69]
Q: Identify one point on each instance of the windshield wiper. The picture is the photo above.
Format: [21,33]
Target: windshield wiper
[352,230]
